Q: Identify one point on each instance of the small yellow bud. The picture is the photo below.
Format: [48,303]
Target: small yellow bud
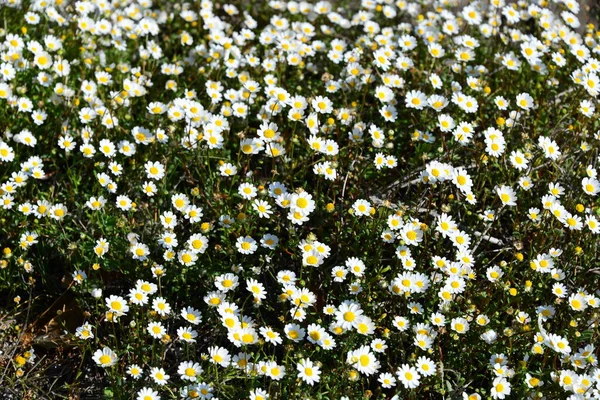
[512,291]
[579,207]
[329,207]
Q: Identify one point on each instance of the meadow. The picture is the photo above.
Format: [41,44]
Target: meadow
[340,200]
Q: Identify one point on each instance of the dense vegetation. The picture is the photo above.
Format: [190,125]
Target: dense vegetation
[298,200]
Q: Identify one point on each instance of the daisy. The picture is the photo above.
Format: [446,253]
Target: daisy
[425,366]
[139,251]
[363,360]
[460,325]
[226,282]
[137,297]
[322,105]
[219,355]
[156,330]
[257,289]
[161,307]
[227,169]
[302,203]
[269,241]
[149,188]
[500,388]
[525,101]
[105,357]
[401,323]
[154,170]
[180,201]
[270,335]
[263,208]
[189,370]
[187,334]
[193,214]
[339,273]
[411,234]
[84,332]
[135,371]
[387,380]
[361,208]
[408,376]
[308,371]
[294,332]
[246,245]
[591,186]
[6,152]
[191,315]
[364,325]
[147,287]
[518,160]
[58,211]
[384,94]
[247,191]
[268,132]
[416,99]
[445,225]
[117,305]
[275,371]
[147,394]
[159,376]
[507,195]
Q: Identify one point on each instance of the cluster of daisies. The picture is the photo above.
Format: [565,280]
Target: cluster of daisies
[241,154]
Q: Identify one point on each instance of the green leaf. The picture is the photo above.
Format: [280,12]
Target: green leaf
[108,393]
